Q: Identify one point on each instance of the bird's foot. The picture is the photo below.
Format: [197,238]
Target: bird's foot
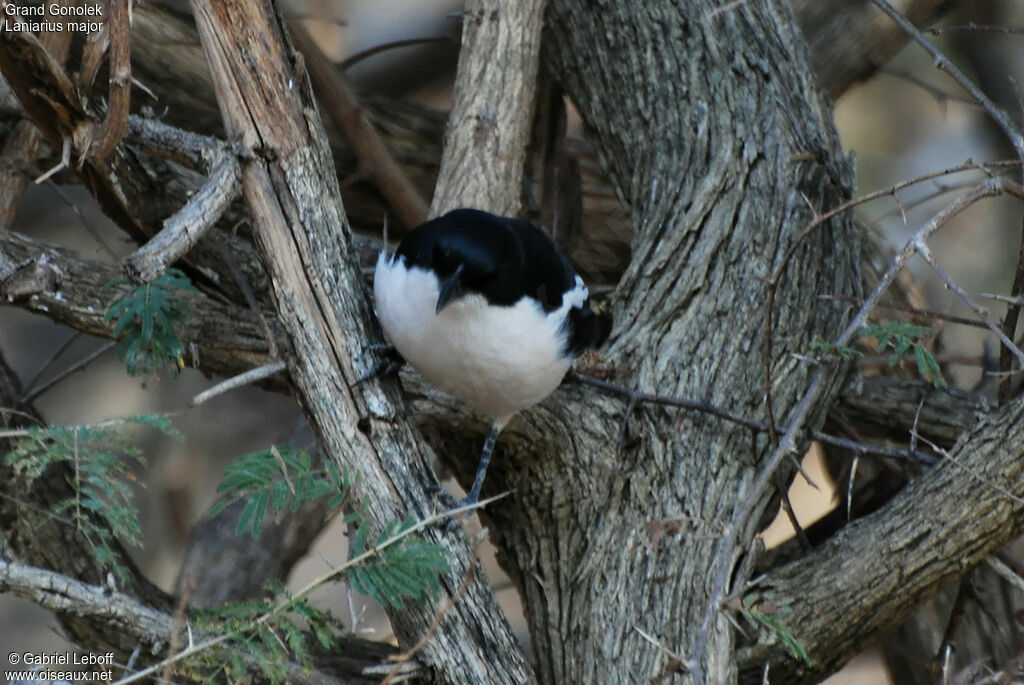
[390,362]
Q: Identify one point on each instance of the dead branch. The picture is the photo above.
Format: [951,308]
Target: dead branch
[120,87]
[940,526]
[343,108]
[183,229]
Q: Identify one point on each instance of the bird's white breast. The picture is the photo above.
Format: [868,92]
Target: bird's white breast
[499,359]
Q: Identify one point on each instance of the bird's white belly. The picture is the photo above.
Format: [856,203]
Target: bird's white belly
[499,359]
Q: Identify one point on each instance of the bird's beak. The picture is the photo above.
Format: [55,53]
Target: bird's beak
[451,290]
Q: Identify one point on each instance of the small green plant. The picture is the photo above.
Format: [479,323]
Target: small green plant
[268,640]
[271,480]
[148,322]
[901,337]
[278,477]
[760,615]
[102,461]
[408,568]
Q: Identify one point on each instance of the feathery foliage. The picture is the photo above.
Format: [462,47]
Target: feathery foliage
[279,477]
[148,322]
[270,480]
[102,461]
[408,568]
[269,639]
[901,337]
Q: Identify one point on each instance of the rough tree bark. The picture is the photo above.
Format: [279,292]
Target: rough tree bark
[711,128]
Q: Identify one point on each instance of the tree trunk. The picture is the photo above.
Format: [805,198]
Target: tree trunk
[712,129]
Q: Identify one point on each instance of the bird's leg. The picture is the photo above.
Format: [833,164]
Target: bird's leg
[390,362]
[485,458]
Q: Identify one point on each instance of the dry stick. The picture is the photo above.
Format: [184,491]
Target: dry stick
[343,109]
[788,443]
[77,366]
[182,230]
[118,20]
[922,249]
[942,62]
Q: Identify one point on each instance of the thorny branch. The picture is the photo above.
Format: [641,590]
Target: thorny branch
[788,444]
[1011,130]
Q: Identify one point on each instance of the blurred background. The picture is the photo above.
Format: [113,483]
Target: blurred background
[909,120]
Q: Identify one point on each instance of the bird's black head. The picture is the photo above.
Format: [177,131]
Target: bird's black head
[500,258]
[469,259]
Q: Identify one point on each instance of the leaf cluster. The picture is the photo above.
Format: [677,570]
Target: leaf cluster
[901,337]
[148,323]
[101,462]
[408,568]
[270,638]
[270,480]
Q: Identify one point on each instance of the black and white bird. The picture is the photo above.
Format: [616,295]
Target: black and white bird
[488,309]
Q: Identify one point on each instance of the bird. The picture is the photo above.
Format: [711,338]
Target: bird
[487,309]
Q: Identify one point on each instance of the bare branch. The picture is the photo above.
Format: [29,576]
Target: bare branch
[942,62]
[351,118]
[182,230]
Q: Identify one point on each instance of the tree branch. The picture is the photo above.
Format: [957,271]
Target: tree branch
[492,110]
[938,528]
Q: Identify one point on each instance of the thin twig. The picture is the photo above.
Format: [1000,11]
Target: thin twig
[75,335]
[33,393]
[242,379]
[355,59]
[942,62]
[635,398]
[922,249]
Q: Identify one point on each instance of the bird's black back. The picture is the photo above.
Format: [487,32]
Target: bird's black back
[503,259]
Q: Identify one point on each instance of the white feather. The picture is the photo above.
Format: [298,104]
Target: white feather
[499,359]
